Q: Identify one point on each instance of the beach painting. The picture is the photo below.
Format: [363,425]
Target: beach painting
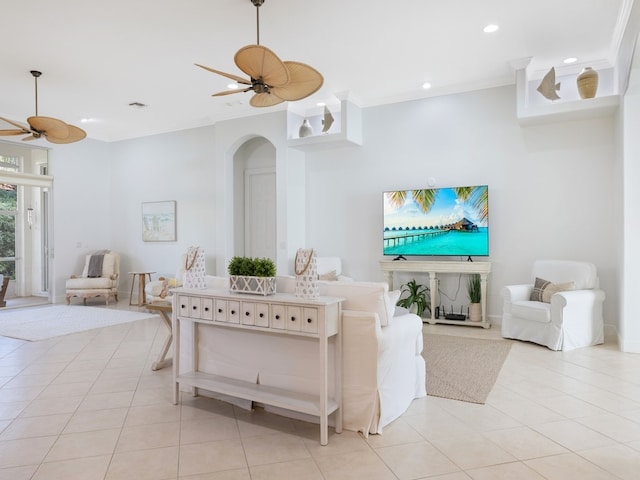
[159,221]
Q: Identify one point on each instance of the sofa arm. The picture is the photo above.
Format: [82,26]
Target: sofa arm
[574,307]
[516,293]
[361,340]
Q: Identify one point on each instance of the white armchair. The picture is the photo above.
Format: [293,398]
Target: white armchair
[561,308]
[99,277]
[330,268]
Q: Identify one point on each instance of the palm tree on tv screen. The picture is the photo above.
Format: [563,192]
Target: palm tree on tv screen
[477,196]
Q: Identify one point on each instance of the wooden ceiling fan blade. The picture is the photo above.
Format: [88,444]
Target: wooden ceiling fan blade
[304,81]
[225,74]
[261,63]
[75,134]
[230,92]
[6,133]
[24,128]
[50,127]
[29,138]
[265,100]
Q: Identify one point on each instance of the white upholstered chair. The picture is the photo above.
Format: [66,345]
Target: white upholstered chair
[330,268]
[562,310]
[99,278]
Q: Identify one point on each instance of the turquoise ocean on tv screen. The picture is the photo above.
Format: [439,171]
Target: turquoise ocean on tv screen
[450,243]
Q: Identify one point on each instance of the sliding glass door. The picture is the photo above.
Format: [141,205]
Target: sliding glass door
[8,210]
[24,220]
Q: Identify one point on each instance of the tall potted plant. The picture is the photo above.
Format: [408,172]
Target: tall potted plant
[252,275]
[417,298]
[473,290]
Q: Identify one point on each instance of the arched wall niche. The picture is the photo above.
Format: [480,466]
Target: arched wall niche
[230,139]
[254,159]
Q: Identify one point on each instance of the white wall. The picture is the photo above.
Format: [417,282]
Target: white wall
[82,207]
[552,188]
[630,326]
[177,166]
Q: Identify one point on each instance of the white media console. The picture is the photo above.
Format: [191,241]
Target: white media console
[389,267]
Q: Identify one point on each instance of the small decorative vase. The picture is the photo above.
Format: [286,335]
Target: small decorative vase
[305,129]
[587,83]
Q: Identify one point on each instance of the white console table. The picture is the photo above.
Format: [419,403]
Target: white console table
[433,269]
[278,314]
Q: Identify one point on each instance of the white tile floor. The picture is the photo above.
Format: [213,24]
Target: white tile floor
[87,406]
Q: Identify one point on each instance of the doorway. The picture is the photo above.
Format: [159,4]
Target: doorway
[24,224]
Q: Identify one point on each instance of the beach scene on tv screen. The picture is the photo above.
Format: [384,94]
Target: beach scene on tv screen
[437,221]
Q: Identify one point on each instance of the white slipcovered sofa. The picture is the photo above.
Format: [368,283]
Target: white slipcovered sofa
[99,278]
[383,367]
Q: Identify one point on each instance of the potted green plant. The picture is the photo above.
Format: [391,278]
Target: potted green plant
[417,297]
[473,290]
[252,275]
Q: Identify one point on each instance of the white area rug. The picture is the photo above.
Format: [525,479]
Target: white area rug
[55,320]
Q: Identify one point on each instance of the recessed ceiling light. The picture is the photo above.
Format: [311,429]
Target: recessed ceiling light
[426,85]
[320,104]
[233,86]
[491,28]
[570,60]
[87,120]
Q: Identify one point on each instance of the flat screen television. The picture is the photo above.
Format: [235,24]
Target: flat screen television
[447,221]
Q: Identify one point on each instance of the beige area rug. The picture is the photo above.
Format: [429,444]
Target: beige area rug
[463,368]
[55,320]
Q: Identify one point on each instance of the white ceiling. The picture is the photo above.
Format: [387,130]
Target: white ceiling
[97,57]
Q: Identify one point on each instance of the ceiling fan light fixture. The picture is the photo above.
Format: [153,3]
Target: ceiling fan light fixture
[271,80]
[52,129]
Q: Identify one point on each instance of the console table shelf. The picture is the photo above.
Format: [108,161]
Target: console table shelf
[433,269]
[277,397]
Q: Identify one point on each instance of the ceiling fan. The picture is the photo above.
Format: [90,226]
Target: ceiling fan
[54,130]
[272,80]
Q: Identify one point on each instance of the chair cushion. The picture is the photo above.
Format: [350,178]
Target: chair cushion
[108,265]
[88,283]
[531,310]
[544,289]
[329,276]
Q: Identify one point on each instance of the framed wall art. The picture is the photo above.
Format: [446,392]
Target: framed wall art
[159,221]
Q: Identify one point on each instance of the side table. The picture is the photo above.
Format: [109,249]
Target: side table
[142,280]
[164,309]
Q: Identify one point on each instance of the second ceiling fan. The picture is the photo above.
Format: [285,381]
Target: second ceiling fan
[272,80]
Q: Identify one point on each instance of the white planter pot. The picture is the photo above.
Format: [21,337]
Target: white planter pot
[254,285]
[475,312]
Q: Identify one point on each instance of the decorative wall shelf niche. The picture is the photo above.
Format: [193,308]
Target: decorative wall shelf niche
[346,129]
[534,109]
